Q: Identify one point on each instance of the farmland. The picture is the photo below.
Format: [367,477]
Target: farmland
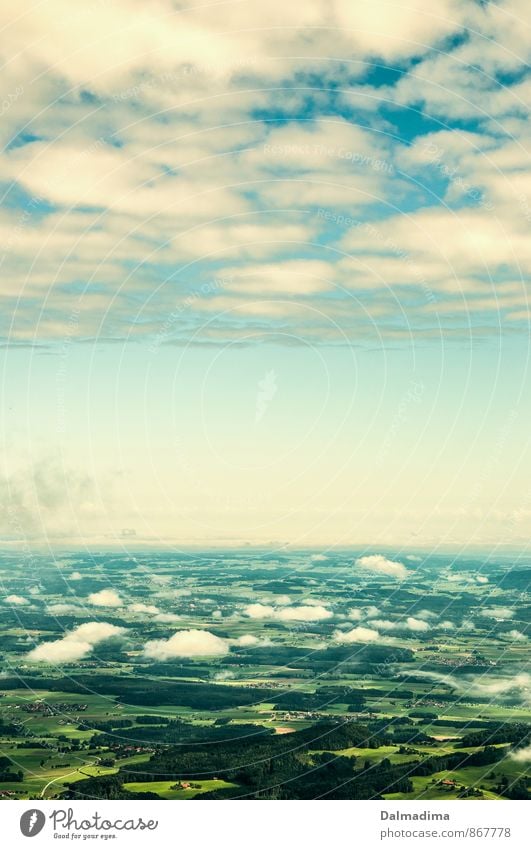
[264,675]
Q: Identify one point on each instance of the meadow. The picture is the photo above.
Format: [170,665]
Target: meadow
[264,675]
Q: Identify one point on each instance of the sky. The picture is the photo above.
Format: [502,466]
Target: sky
[265,273]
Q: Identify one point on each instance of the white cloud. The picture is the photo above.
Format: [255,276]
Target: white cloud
[522,755]
[416,624]
[140,607]
[64,609]
[60,651]
[246,640]
[357,635]
[382,565]
[75,576]
[302,613]
[167,617]
[425,614]
[16,599]
[498,612]
[192,643]
[75,644]
[259,611]
[317,558]
[282,599]
[105,598]
[385,624]
[355,613]
[517,636]
[94,632]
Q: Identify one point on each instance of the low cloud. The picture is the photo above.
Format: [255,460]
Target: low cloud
[519,684]
[416,624]
[105,598]
[247,640]
[357,635]
[382,565]
[259,611]
[75,644]
[139,607]
[303,613]
[384,624]
[411,624]
[191,643]
[523,756]
[498,612]
[16,599]
[282,599]
[167,617]
[63,609]
[75,576]
[517,636]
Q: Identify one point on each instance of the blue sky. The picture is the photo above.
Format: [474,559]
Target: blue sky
[265,272]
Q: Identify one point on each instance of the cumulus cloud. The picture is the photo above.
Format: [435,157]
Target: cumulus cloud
[75,576]
[517,636]
[192,643]
[519,684]
[167,617]
[498,612]
[416,624]
[140,607]
[105,598]
[355,613]
[382,565]
[384,624]
[410,624]
[246,640]
[317,558]
[94,632]
[259,611]
[75,644]
[65,608]
[522,756]
[282,599]
[302,613]
[60,651]
[425,614]
[357,635]
[16,599]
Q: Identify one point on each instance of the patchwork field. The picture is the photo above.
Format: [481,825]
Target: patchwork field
[248,675]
